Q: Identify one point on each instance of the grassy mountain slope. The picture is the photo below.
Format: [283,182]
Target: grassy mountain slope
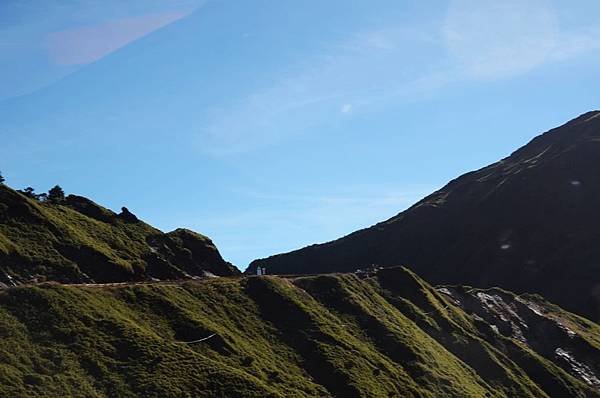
[528,223]
[388,335]
[79,241]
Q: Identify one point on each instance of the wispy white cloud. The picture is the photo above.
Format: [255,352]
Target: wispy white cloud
[498,39]
[392,65]
[86,44]
[38,42]
[573,43]
[346,76]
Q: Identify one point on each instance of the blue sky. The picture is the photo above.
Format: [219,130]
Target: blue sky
[271,125]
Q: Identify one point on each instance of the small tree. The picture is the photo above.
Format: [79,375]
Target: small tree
[56,195]
[1,178]
[29,192]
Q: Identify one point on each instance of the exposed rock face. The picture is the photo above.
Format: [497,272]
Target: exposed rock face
[529,223]
[530,320]
[128,216]
[82,242]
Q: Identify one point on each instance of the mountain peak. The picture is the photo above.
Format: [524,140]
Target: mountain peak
[587,117]
[580,125]
[582,130]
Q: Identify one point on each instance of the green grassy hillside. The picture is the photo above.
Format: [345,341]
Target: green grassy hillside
[80,241]
[388,335]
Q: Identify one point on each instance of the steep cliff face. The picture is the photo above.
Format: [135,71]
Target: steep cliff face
[80,241]
[528,223]
[387,335]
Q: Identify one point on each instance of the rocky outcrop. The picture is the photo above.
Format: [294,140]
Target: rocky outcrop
[563,339]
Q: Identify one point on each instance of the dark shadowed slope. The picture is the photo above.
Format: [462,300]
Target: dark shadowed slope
[529,223]
[79,241]
[390,335]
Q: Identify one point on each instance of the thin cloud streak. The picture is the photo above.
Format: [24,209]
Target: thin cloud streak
[493,40]
[354,74]
[479,40]
[572,44]
[86,44]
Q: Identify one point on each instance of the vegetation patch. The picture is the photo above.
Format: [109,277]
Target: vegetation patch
[323,336]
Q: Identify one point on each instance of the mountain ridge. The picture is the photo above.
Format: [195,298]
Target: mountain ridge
[509,224]
[78,241]
[388,334]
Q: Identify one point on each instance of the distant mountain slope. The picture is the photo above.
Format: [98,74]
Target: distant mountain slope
[389,335]
[79,241]
[529,223]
